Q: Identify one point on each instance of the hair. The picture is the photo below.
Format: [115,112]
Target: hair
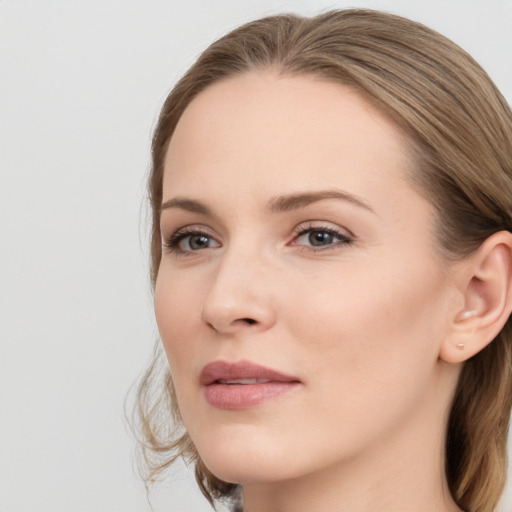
[459,128]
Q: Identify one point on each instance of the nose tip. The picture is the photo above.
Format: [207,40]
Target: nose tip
[236,304]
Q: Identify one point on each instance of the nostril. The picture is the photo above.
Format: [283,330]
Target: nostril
[248,321]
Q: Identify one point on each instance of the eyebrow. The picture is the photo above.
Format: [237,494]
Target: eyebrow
[276,204]
[184,203]
[302,199]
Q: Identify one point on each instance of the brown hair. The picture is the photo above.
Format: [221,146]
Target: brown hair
[460,131]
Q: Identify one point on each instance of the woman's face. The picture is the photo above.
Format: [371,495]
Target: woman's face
[301,299]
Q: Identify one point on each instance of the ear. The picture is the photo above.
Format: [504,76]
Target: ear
[486,284]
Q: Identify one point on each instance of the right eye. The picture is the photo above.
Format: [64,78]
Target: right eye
[187,241]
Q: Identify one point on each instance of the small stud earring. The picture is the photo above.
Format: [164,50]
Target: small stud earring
[460,346]
[467,314]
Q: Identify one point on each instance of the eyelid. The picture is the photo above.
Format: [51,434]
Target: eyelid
[322,224]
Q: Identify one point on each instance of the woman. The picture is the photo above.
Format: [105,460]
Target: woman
[331,259]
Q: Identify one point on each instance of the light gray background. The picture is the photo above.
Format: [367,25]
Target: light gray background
[81,83]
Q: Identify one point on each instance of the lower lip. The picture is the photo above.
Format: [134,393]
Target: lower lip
[244,396]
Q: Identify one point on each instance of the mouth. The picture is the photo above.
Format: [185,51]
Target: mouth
[242,385]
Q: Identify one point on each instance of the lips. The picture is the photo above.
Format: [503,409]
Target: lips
[242,385]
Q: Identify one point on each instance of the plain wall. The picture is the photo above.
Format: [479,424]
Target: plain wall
[81,83]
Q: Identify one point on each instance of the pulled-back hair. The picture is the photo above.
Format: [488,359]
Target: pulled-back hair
[459,129]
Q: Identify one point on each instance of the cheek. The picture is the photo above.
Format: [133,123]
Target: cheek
[364,330]
[177,318]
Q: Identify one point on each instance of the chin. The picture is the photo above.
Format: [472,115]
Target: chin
[247,470]
[246,460]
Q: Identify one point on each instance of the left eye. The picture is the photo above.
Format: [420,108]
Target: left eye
[186,242]
[196,242]
[320,237]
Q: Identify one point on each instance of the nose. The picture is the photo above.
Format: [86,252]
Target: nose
[240,295]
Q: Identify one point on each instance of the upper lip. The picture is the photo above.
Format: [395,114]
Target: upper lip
[225,370]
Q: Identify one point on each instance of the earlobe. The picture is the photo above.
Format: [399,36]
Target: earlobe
[487,281]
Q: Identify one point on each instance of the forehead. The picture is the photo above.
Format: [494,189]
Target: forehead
[260,128]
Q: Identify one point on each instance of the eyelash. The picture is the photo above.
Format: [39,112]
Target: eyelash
[172,243]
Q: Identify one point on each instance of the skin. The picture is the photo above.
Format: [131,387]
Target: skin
[360,320]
